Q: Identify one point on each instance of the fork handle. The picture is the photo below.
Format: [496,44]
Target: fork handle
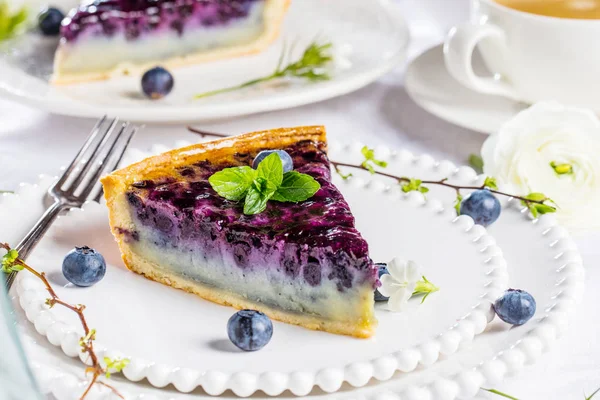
[28,243]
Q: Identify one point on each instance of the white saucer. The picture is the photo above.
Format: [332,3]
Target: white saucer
[430,85]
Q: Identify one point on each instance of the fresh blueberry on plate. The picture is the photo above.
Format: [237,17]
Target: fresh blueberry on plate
[515,307]
[382,270]
[286,159]
[84,266]
[49,21]
[249,330]
[157,83]
[482,206]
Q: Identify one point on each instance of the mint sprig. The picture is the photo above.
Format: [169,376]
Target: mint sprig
[267,182]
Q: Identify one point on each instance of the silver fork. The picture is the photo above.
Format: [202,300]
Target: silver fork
[102,152]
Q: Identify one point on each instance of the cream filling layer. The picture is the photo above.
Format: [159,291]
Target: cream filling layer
[260,284]
[95,54]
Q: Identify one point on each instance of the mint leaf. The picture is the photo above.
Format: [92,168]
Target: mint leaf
[256,201]
[233,183]
[476,162]
[271,169]
[296,187]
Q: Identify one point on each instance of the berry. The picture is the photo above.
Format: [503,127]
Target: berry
[49,21]
[482,206]
[249,330]
[83,266]
[157,83]
[286,159]
[515,306]
[382,271]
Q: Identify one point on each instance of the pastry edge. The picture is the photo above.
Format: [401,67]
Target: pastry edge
[275,16]
[163,164]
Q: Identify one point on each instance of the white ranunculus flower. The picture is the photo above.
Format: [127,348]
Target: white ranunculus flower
[521,154]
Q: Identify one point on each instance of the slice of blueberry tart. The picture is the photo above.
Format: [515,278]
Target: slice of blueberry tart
[301,262]
[106,37]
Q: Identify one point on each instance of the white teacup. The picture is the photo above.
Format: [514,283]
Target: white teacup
[532,57]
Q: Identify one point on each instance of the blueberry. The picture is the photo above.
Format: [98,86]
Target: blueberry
[286,159]
[382,271]
[249,330]
[49,21]
[515,306]
[482,206]
[157,83]
[83,266]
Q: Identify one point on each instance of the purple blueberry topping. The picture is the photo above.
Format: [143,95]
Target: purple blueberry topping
[314,240]
[131,18]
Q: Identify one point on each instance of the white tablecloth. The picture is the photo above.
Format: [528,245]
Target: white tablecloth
[34,142]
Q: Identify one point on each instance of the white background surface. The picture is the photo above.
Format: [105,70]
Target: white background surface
[33,142]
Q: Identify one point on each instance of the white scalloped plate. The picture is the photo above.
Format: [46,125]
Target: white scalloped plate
[130,312]
[370,38]
[543,257]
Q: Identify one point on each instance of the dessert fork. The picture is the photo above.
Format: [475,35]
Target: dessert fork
[102,152]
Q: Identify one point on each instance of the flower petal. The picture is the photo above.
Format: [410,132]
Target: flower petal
[398,300]
[397,268]
[413,271]
[388,285]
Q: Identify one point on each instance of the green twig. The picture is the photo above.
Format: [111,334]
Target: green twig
[311,66]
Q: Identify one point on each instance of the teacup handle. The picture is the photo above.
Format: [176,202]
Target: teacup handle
[458,54]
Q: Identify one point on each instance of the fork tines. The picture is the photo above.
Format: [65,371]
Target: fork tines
[100,154]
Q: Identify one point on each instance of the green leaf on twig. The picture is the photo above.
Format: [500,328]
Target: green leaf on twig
[413,185]
[370,162]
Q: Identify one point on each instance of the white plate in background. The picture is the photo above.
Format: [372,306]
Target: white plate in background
[369,39]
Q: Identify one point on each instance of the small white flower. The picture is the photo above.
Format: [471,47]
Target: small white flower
[554,150]
[400,283]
